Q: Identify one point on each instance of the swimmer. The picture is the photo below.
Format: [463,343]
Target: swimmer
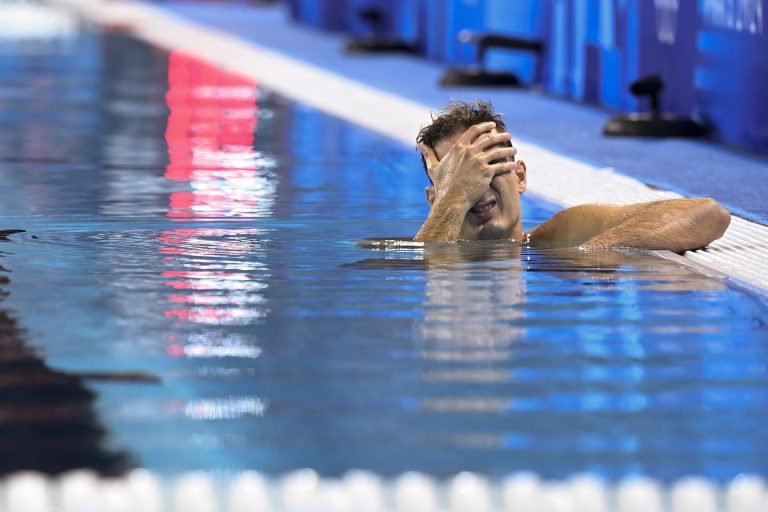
[476,183]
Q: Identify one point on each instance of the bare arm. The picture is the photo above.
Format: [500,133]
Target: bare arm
[443,223]
[677,225]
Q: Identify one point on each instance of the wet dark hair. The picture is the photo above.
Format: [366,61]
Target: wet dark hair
[457,116]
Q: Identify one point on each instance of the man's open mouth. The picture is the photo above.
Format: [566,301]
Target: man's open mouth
[483,211]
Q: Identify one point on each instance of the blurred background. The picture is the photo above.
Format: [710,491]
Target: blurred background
[710,54]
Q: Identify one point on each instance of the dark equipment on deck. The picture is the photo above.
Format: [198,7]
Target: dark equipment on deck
[480,75]
[654,123]
[380,41]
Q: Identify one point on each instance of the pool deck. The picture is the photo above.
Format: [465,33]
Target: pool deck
[570,162]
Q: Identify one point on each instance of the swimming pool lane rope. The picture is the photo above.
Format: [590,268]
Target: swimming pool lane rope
[362,491]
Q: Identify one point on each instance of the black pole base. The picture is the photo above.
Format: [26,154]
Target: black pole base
[479,78]
[648,125]
[379,45]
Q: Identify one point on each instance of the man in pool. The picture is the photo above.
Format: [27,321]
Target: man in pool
[476,184]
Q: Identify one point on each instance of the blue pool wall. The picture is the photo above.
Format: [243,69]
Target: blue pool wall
[710,53]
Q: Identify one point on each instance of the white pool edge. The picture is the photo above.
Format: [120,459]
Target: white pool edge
[741,254]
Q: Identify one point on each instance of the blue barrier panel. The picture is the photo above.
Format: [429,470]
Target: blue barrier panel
[732,69]
[667,47]
[444,20]
[399,18]
[522,18]
[355,24]
[325,14]
[306,11]
[592,50]
[336,14]
[406,19]
[712,57]
[710,53]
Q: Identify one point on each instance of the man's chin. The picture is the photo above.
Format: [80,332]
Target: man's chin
[489,231]
[492,234]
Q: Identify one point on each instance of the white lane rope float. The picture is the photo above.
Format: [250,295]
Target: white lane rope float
[362,491]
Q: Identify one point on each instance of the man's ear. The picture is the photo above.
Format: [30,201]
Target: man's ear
[522,177]
[430,192]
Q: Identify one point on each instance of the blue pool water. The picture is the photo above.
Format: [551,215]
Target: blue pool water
[187,224]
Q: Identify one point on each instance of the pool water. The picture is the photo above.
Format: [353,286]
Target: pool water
[189,227]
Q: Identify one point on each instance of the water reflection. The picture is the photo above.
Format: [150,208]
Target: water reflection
[47,417]
[216,344]
[132,148]
[210,136]
[604,359]
[224,409]
[28,24]
[471,305]
[218,276]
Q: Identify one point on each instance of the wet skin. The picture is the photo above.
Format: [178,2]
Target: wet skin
[477,182]
[496,214]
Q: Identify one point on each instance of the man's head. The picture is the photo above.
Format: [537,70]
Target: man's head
[455,118]
[502,220]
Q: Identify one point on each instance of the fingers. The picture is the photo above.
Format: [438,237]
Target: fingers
[484,136]
[427,151]
[489,140]
[429,155]
[500,154]
[502,167]
[473,132]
